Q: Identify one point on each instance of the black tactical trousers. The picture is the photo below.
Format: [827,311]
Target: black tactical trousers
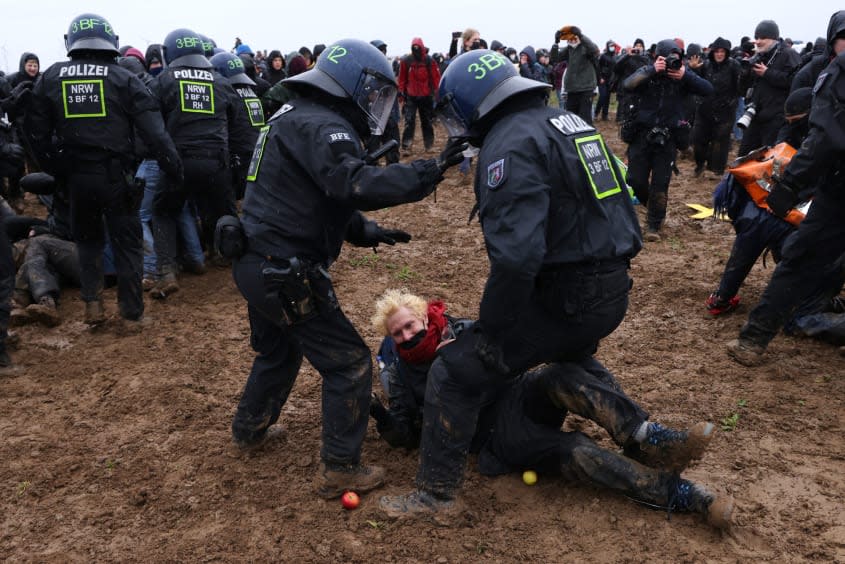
[48,262]
[208,183]
[98,190]
[808,256]
[527,432]
[425,105]
[649,173]
[332,346]
[570,311]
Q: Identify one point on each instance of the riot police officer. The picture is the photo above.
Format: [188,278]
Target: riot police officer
[91,105]
[204,116]
[560,231]
[232,67]
[307,178]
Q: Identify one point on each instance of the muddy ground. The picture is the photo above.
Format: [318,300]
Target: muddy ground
[117,448]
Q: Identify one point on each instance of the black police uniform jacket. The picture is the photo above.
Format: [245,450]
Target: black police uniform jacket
[202,111]
[92,106]
[307,178]
[550,194]
[819,161]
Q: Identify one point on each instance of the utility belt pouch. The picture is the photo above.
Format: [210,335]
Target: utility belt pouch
[287,283]
[229,237]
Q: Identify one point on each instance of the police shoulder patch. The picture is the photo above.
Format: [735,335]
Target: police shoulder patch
[340,137]
[820,81]
[496,173]
[282,111]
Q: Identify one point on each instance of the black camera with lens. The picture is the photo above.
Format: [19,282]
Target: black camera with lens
[673,62]
[657,136]
[745,119]
[749,63]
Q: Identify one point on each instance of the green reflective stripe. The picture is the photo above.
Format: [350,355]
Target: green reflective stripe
[598,166]
[197,97]
[257,153]
[83,98]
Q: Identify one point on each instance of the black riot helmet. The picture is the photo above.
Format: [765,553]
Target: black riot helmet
[184,48]
[90,32]
[474,84]
[232,67]
[354,70]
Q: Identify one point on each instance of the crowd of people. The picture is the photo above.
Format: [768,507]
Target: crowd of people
[155,163]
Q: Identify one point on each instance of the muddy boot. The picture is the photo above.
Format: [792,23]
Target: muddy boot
[95,313]
[19,317]
[334,479]
[44,312]
[417,503]
[689,497]
[652,236]
[746,352]
[5,359]
[147,284]
[670,449]
[166,285]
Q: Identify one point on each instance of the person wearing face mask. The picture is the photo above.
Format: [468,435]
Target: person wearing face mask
[419,76]
[767,77]
[606,63]
[580,80]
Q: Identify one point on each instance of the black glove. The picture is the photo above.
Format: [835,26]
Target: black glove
[377,410]
[782,198]
[456,34]
[557,36]
[12,153]
[374,234]
[452,154]
[19,97]
[491,355]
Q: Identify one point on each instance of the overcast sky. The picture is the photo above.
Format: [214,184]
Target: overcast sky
[41,25]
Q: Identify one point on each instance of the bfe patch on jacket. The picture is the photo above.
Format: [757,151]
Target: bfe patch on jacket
[496,173]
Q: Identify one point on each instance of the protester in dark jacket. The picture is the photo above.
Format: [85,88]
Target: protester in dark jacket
[275,67]
[715,114]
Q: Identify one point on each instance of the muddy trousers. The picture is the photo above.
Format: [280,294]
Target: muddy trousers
[332,346]
[48,261]
[649,173]
[571,310]
[808,254]
[97,190]
[527,431]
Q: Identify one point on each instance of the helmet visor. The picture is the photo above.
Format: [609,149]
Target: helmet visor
[376,96]
[447,115]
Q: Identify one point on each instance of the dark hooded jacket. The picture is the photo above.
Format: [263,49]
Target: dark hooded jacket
[822,57]
[770,90]
[272,75]
[419,75]
[532,68]
[261,85]
[17,77]
[725,78]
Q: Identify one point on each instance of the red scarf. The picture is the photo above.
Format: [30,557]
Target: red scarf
[425,350]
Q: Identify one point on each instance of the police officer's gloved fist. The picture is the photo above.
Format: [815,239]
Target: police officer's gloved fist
[374,234]
[377,409]
[452,154]
[491,354]
[782,198]
[12,153]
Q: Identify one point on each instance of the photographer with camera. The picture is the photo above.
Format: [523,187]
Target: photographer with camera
[767,75]
[653,130]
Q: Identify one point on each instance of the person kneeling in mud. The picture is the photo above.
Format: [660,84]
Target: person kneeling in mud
[521,427]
